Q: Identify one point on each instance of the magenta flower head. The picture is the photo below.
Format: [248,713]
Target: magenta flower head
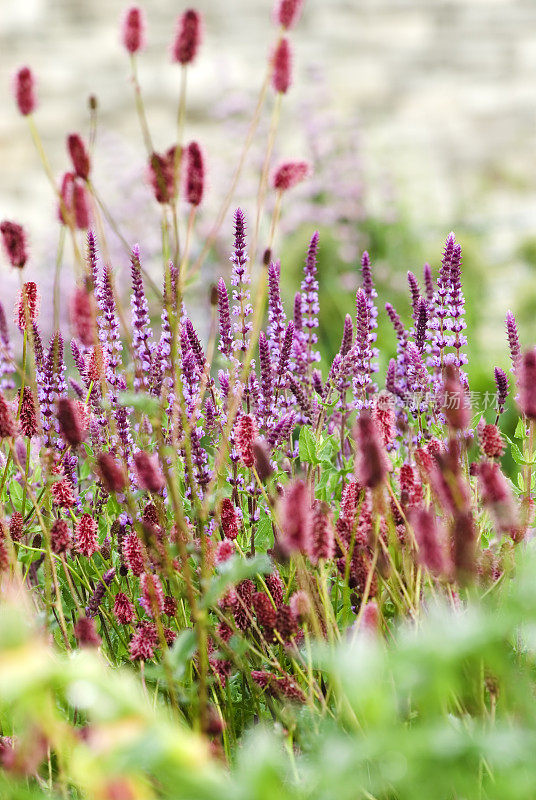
[161,174]
[80,206]
[187,38]
[24,90]
[111,473]
[287,12]
[27,309]
[430,539]
[143,643]
[82,317]
[79,155]
[8,426]
[194,174]
[296,519]
[14,241]
[245,435]
[290,174]
[133,33]
[133,553]
[526,383]
[323,535]
[148,472]
[282,67]
[72,423]
[371,462]
[16,526]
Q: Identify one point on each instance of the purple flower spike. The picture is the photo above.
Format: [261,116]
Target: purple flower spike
[415,293]
[241,279]
[501,381]
[421,316]
[276,314]
[141,323]
[226,336]
[310,307]
[428,282]
[267,384]
[363,353]
[347,335]
[513,339]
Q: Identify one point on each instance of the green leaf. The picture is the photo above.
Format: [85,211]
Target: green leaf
[140,401]
[183,649]
[520,430]
[234,571]
[308,446]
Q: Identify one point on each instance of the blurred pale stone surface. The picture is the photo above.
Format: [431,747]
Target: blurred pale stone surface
[445,91]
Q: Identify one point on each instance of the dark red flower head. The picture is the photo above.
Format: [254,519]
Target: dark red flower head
[8,425]
[455,405]
[82,317]
[161,175]
[371,462]
[133,33]
[194,172]
[143,643]
[16,526]
[491,441]
[111,472]
[245,434]
[25,91]
[14,241]
[187,38]
[148,472]
[133,553]
[86,541]
[123,609]
[60,537]
[80,206]
[296,519]
[290,174]
[79,155]
[28,414]
[282,67]
[28,306]
[86,632]
[71,422]
[526,383]
[229,519]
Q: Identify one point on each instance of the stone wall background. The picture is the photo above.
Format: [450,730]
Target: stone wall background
[444,91]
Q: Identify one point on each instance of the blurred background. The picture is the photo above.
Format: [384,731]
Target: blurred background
[418,117]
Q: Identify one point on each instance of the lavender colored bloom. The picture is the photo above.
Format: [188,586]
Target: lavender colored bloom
[240,279]
[310,306]
[362,351]
[415,293]
[428,282]
[226,336]
[141,324]
[267,383]
[52,386]
[299,343]
[276,314]
[97,597]
[195,344]
[501,381]
[513,339]
[421,317]
[457,309]
[390,377]
[109,336]
[284,357]
[347,335]
[316,380]
[281,430]
[441,305]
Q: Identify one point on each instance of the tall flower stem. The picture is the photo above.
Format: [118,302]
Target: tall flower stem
[140,106]
[263,182]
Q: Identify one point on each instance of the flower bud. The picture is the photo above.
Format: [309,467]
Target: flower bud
[14,241]
[133,33]
[187,38]
[25,91]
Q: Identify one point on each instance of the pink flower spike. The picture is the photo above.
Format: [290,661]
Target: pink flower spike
[25,91]
[282,67]
[288,12]
[14,241]
[188,37]
[133,33]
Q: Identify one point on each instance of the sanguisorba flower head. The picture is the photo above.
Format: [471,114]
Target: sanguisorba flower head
[14,242]
[187,38]
[526,383]
[290,174]
[29,425]
[82,316]
[228,519]
[27,309]
[288,12]
[71,422]
[79,155]
[133,32]
[111,472]
[282,67]
[24,91]
[8,425]
[123,609]
[245,435]
[86,632]
[296,519]
[371,463]
[148,472]
[86,541]
[60,537]
[194,174]
[455,405]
